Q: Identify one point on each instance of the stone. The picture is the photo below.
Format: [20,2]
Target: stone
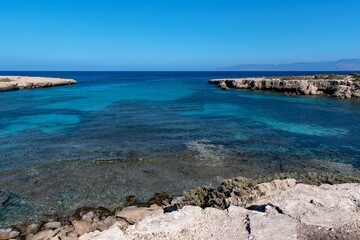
[32,229]
[272,188]
[263,226]
[82,227]
[73,234]
[89,235]
[191,223]
[327,206]
[46,234]
[69,238]
[52,225]
[14,234]
[65,232]
[135,214]
[109,221]
[5,233]
[101,226]
[87,219]
[113,233]
[223,86]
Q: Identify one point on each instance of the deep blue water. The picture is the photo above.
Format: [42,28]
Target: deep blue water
[119,133]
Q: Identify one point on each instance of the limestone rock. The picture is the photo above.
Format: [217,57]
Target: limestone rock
[263,226]
[89,235]
[88,217]
[344,87]
[272,188]
[5,233]
[82,227]
[114,232]
[192,223]
[287,210]
[43,235]
[8,83]
[14,234]
[326,205]
[32,229]
[52,225]
[135,214]
[66,232]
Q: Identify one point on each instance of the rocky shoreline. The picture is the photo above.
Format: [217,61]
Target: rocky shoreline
[340,86]
[11,83]
[240,208]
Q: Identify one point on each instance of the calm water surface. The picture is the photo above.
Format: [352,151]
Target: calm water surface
[120,133]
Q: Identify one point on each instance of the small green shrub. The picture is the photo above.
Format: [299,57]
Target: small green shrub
[329,76]
[355,76]
[5,80]
[315,178]
[207,196]
[246,190]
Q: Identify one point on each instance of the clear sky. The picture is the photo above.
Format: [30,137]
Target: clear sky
[174,34]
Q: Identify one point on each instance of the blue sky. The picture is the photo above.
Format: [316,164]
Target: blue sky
[174,34]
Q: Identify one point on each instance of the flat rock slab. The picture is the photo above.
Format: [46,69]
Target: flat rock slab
[135,214]
[327,206]
[10,83]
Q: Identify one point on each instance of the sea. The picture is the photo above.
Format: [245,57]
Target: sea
[116,134]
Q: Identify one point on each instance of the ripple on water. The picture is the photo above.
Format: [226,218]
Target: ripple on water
[100,97]
[305,129]
[47,123]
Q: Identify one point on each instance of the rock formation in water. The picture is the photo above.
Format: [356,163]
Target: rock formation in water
[340,86]
[9,83]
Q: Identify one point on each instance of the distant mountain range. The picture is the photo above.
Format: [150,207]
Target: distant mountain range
[339,65]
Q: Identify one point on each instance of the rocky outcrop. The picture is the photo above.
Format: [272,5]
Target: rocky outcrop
[286,210]
[339,86]
[10,83]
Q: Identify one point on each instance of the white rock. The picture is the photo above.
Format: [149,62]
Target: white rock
[14,234]
[326,205]
[52,225]
[5,233]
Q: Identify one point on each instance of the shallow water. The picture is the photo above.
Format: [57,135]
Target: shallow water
[120,133]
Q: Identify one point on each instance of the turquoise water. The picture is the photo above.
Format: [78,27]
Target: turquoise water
[120,133]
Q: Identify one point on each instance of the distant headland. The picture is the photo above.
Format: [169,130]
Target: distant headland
[10,83]
[340,86]
[339,65]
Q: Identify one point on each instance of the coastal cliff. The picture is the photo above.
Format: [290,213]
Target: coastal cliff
[340,86]
[10,83]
